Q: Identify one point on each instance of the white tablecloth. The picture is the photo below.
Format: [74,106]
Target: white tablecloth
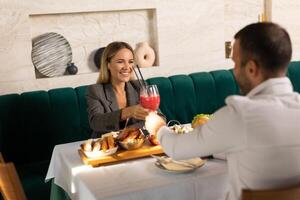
[135,179]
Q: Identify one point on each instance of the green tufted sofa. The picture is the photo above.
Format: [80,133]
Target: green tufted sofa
[32,123]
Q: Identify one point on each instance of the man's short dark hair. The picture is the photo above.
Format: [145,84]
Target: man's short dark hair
[267,44]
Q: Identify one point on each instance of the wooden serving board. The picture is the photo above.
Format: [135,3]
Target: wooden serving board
[121,155]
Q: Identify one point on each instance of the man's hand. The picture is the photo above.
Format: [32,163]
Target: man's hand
[153,123]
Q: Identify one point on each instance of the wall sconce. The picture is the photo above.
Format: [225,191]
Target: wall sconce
[266,14]
[262,18]
[228,49]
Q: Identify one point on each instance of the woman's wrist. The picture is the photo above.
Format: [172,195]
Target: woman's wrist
[125,113]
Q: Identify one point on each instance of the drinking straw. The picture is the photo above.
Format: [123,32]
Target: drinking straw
[141,75]
[141,84]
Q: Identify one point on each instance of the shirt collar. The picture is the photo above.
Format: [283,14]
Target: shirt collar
[280,85]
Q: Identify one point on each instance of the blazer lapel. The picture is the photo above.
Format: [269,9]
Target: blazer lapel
[132,94]
[111,97]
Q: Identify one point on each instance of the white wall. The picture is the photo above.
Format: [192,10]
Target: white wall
[188,35]
[237,14]
[287,14]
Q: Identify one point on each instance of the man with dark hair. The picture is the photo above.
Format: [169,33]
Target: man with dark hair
[259,132]
[262,46]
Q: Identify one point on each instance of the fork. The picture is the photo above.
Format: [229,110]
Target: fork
[126,123]
[165,160]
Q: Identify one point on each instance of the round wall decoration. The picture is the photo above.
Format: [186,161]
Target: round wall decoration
[51,53]
[97,56]
[144,55]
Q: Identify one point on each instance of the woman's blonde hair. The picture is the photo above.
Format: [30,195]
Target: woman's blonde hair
[109,52]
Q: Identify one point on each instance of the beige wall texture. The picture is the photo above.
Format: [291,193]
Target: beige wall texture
[187,36]
[287,14]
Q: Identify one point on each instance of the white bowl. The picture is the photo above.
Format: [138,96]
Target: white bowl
[97,154]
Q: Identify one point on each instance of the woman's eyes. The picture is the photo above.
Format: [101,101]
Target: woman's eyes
[120,61]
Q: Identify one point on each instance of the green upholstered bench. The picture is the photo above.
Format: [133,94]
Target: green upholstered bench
[32,123]
[184,96]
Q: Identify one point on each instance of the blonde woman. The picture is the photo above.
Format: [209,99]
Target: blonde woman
[114,99]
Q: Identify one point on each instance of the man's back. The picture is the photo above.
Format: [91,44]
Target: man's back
[270,155]
[260,132]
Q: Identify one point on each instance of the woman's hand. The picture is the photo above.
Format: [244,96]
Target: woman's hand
[136,111]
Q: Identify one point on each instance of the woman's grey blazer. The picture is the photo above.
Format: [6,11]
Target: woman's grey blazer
[103,110]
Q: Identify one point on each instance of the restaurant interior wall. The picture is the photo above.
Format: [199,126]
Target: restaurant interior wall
[187,36]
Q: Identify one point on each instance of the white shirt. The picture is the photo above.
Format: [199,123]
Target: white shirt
[260,134]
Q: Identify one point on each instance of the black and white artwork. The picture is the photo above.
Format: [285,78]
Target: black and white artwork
[51,53]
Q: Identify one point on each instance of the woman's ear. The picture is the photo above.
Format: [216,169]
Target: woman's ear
[108,66]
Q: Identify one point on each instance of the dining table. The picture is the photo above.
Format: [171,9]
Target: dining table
[134,179]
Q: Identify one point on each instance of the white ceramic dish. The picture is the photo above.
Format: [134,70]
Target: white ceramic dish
[97,154]
[113,133]
[158,165]
[182,166]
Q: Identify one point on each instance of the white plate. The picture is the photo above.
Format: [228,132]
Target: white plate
[97,154]
[157,164]
[113,133]
[177,168]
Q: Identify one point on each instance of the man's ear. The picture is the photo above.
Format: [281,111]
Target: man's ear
[252,69]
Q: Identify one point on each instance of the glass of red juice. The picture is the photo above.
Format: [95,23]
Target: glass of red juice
[149,97]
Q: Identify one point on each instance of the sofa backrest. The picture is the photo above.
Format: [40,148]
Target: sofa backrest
[32,123]
[294,74]
[184,96]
